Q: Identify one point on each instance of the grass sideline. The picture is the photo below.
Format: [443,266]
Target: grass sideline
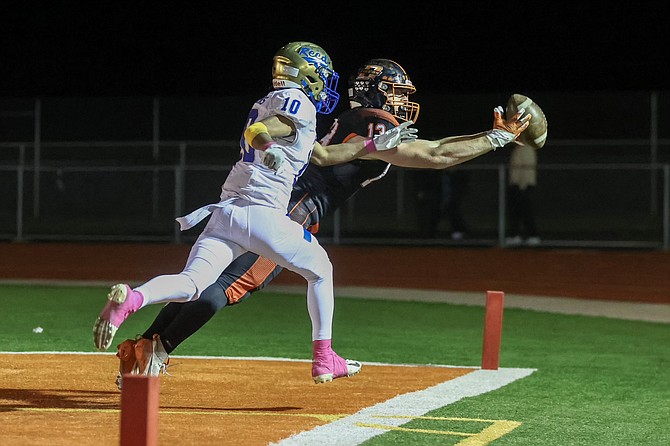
[598,382]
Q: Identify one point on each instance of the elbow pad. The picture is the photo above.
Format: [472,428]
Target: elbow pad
[253,131]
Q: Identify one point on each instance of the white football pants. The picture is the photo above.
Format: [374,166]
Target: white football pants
[235,229]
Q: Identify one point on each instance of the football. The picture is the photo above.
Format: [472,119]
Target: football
[536,134]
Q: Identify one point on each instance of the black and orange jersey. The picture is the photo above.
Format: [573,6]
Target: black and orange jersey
[321,190]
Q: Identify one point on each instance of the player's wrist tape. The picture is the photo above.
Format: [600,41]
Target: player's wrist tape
[267,145]
[370,146]
[500,138]
[253,131]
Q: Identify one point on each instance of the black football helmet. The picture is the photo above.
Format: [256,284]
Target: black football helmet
[384,84]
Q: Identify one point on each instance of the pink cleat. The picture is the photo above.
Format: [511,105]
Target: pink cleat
[328,365]
[122,301]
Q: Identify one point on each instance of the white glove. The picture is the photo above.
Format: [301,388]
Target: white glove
[391,138]
[273,157]
[500,138]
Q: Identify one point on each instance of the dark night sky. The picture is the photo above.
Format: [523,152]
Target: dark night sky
[110,48]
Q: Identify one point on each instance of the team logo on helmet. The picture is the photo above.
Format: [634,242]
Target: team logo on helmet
[314,56]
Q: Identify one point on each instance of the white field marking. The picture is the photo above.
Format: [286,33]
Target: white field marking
[355,429]
[628,310]
[240,358]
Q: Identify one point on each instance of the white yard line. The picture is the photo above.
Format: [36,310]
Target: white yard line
[365,424]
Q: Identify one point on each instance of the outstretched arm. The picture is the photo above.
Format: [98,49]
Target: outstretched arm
[339,153]
[438,154]
[358,147]
[261,134]
[450,151]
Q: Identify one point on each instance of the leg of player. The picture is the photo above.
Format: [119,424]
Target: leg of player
[149,355]
[209,256]
[247,274]
[291,246]
[177,321]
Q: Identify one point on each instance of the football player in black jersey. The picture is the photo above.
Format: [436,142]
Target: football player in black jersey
[379,97]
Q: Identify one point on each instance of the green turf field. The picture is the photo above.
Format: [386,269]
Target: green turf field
[598,381]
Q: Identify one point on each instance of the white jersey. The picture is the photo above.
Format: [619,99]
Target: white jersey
[249,178]
[251,217]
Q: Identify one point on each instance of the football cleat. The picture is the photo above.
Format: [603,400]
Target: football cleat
[122,301]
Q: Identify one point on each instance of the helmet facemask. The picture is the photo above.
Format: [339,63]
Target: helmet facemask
[328,97]
[383,84]
[398,103]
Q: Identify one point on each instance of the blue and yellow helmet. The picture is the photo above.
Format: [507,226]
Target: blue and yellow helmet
[307,66]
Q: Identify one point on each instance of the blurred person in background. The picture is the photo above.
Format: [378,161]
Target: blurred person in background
[520,192]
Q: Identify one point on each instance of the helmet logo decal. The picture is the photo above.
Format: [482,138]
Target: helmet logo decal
[313,56]
[369,72]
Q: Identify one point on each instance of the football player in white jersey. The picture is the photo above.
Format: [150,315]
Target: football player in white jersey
[278,142]
[379,96]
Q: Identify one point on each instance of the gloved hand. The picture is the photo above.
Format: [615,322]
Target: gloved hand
[391,138]
[504,132]
[273,157]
